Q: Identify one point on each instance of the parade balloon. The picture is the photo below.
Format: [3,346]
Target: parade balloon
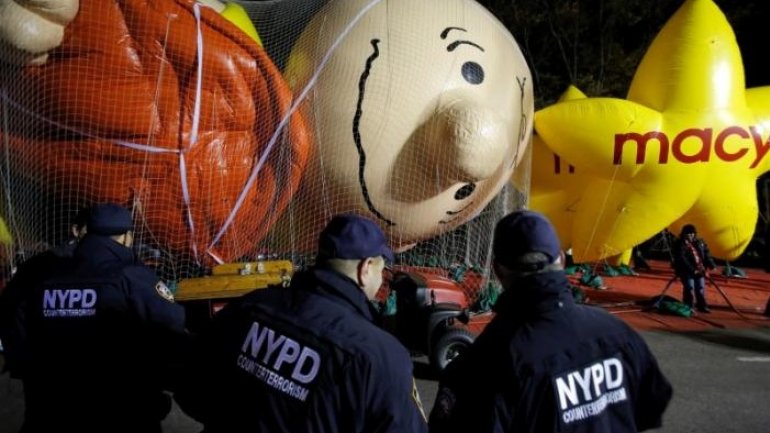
[163,106]
[557,187]
[685,146]
[422,110]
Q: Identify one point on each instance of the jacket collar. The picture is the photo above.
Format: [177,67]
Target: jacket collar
[339,289]
[98,251]
[536,295]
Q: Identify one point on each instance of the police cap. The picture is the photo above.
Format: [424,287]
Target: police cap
[351,236]
[524,232]
[109,219]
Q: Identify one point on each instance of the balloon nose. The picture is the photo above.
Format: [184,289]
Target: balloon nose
[470,141]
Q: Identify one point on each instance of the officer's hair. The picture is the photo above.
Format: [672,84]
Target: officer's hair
[348,267]
[528,264]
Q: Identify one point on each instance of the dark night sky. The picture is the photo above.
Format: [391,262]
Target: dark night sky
[751,30]
[753,38]
[755,49]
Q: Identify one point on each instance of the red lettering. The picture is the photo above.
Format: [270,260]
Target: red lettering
[641,146]
[762,148]
[705,135]
[557,165]
[719,146]
[705,145]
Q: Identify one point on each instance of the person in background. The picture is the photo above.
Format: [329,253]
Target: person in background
[29,273]
[692,261]
[544,363]
[308,357]
[100,336]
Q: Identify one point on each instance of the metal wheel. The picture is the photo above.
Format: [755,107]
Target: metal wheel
[449,346]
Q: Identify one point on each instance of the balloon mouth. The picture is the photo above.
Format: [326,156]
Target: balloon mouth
[455,214]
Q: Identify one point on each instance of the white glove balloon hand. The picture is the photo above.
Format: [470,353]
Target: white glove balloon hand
[29,29]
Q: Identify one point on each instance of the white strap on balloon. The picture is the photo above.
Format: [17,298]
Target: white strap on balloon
[193,133]
[195,127]
[143,147]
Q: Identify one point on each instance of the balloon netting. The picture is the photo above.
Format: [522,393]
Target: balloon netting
[204,132]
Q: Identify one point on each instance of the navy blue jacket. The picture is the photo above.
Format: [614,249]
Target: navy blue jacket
[28,274]
[307,358]
[546,364]
[100,336]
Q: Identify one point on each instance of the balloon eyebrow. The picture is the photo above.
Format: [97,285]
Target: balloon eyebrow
[451,47]
[455,44]
[446,31]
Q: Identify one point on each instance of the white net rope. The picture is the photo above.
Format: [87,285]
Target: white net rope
[236,130]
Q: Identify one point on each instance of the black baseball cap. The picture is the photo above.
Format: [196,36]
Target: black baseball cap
[108,219]
[523,232]
[350,236]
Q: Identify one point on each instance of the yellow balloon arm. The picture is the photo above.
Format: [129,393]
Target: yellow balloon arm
[677,71]
[5,235]
[572,93]
[235,13]
[623,258]
[758,100]
[599,135]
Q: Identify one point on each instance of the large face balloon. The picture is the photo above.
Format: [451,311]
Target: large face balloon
[421,112]
[163,106]
[685,147]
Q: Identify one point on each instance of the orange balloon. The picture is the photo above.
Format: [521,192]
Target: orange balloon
[126,74]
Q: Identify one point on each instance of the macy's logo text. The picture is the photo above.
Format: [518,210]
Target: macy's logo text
[706,138]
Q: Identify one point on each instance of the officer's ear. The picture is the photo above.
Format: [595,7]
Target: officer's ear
[369,275]
[129,239]
[362,271]
[77,231]
[503,274]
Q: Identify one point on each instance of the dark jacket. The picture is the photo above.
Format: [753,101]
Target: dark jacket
[546,364]
[28,274]
[686,265]
[100,337]
[301,359]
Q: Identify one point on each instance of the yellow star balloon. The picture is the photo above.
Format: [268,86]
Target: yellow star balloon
[5,235]
[557,187]
[686,146]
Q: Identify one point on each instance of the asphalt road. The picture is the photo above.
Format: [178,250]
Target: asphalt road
[721,384]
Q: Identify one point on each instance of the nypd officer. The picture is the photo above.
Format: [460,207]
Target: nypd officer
[308,358]
[29,273]
[99,336]
[544,363]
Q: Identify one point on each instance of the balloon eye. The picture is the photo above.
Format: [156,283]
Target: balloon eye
[473,72]
[465,191]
